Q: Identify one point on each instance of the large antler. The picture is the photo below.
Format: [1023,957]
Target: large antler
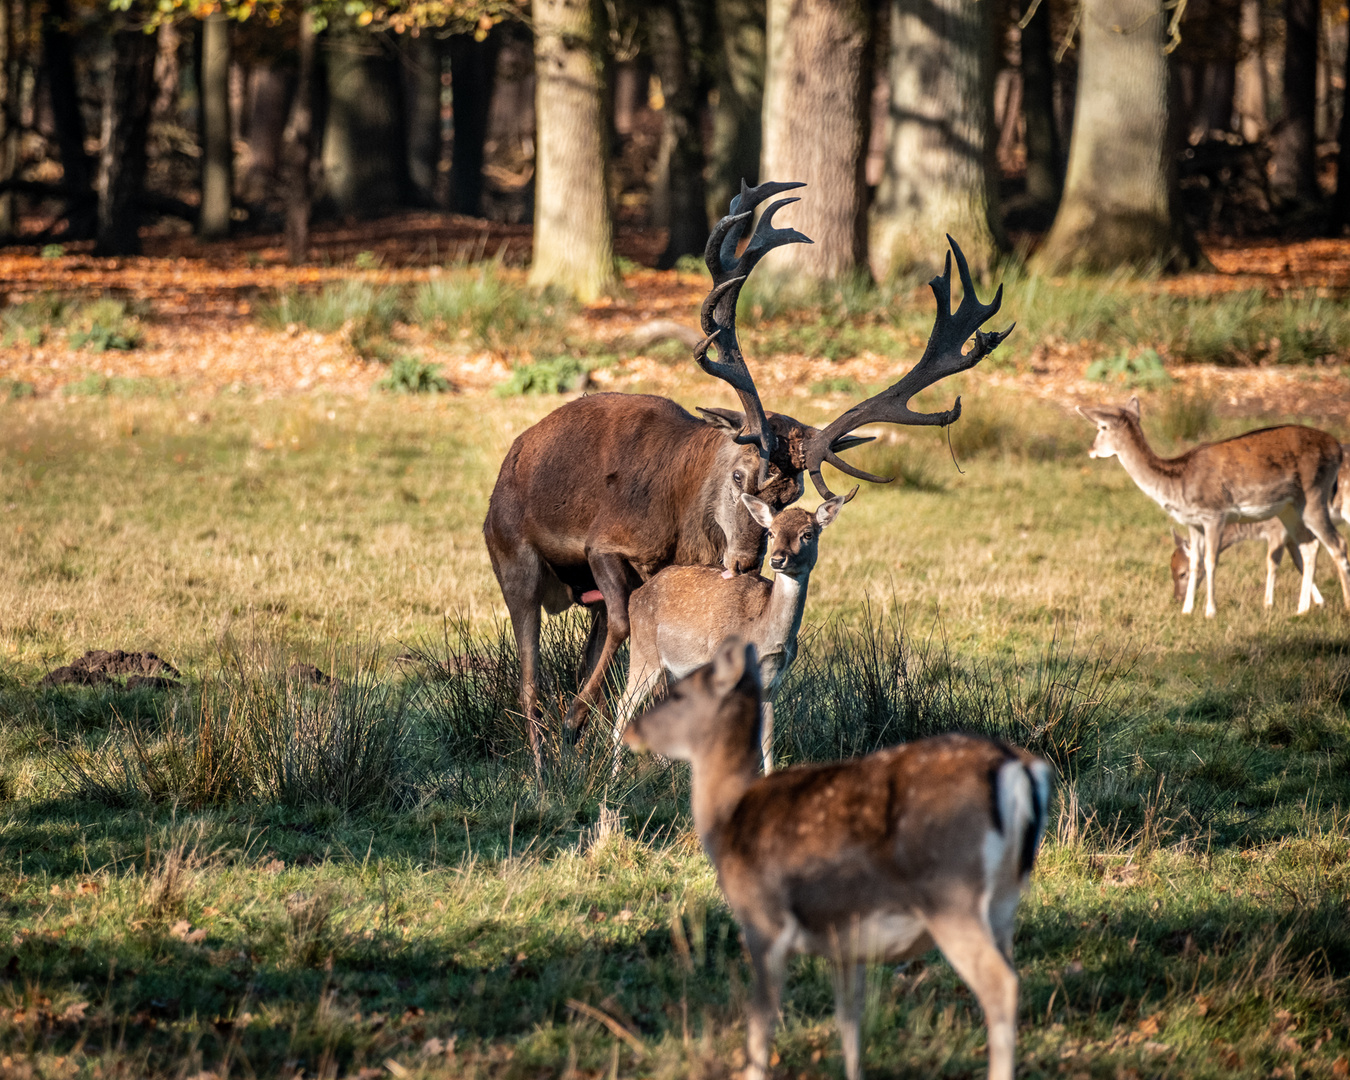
[941,358]
[718,315]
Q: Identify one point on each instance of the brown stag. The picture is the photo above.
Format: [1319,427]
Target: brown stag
[606,490]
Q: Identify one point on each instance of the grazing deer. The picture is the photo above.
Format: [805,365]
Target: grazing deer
[1278,540]
[1285,472]
[875,859]
[682,615]
[605,491]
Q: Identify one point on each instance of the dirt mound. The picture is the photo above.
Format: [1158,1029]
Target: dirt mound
[144,670]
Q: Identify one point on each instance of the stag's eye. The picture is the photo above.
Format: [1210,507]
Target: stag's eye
[738,478]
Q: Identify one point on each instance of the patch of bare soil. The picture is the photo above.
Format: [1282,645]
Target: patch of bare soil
[97,667]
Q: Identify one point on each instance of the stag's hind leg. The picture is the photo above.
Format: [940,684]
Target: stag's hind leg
[525,581]
[968,942]
[616,581]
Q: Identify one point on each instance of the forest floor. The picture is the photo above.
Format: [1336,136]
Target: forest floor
[202,311]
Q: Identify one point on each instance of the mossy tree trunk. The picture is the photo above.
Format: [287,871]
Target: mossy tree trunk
[573,227]
[1045,167]
[677,32]
[737,120]
[818,88]
[365,149]
[126,122]
[473,76]
[939,175]
[1119,206]
[1294,162]
[217,138]
[298,146]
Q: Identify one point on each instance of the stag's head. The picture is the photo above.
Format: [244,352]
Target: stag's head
[1115,426]
[774,451]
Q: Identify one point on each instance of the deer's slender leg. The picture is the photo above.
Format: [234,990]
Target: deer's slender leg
[1193,553]
[595,643]
[520,573]
[1274,553]
[1212,531]
[766,735]
[967,942]
[1304,557]
[1317,517]
[850,980]
[768,961]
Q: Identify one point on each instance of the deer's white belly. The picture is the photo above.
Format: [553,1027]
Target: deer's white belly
[890,936]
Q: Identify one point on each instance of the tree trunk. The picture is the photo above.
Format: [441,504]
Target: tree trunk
[271,90]
[126,122]
[9,92]
[573,229]
[1294,177]
[421,61]
[1340,204]
[816,122]
[940,173]
[365,156]
[737,120]
[1044,166]
[675,29]
[473,72]
[217,141]
[1250,92]
[77,167]
[298,147]
[1119,205]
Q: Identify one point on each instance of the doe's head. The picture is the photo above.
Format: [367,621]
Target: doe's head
[1113,422]
[794,533]
[707,705]
[1181,565]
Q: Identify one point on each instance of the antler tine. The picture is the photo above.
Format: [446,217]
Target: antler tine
[718,313]
[941,357]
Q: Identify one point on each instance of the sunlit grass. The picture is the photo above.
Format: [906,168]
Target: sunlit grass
[203,893]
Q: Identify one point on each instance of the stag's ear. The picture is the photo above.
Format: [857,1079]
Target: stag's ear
[1133,408]
[759,510]
[827,511]
[726,419]
[734,658]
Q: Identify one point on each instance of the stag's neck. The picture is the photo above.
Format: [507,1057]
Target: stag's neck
[700,539]
[1158,478]
[722,774]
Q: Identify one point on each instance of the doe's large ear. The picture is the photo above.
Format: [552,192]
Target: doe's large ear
[1180,543]
[1133,407]
[726,419]
[733,658]
[759,509]
[1087,412]
[827,511]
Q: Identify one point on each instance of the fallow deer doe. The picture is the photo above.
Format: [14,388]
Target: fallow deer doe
[1285,472]
[606,490]
[875,859]
[1278,540]
[681,616]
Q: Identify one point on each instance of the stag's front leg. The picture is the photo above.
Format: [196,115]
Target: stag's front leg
[615,585]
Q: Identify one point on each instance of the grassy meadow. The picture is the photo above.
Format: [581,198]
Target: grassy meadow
[254,875]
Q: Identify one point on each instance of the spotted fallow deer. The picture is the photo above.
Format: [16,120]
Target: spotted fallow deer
[1278,540]
[875,859]
[680,617]
[607,490]
[1285,472]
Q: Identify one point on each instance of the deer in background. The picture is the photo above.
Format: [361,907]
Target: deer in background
[607,490]
[875,859]
[1278,540]
[1285,472]
[681,616]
